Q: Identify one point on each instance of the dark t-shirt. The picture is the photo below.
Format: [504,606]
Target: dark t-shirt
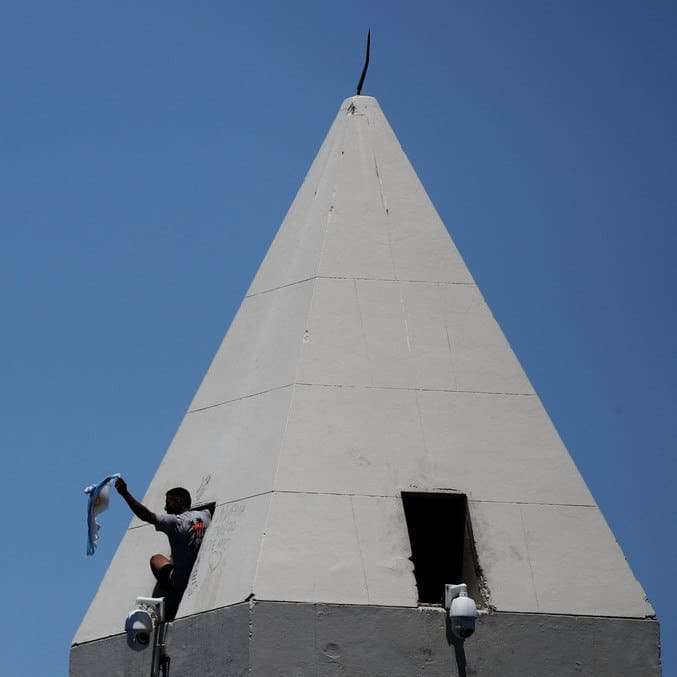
[185,533]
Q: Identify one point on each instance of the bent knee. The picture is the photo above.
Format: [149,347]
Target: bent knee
[157,562]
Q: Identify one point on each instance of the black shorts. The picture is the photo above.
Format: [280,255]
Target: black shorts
[165,575]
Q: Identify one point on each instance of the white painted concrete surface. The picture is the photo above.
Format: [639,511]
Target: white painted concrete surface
[364,362]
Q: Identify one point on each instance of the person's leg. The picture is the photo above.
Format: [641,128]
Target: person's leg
[161,567]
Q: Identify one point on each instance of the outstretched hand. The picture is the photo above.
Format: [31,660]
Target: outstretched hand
[121,486]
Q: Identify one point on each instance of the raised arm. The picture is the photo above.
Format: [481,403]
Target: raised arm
[140,510]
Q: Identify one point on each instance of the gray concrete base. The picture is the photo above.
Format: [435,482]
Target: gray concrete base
[271,639]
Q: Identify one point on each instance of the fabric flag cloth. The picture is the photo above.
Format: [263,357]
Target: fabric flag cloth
[97,503]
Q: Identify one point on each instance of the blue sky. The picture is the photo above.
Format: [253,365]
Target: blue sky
[149,151]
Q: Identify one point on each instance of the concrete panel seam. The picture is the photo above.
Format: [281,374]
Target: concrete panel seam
[283,439]
[550,614]
[542,503]
[359,547]
[332,202]
[424,607]
[403,305]
[392,260]
[237,399]
[420,390]
[388,235]
[217,505]
[340,605]
[338,142]
[399,279]
[386,211]
[426,451]
[359,278]
[531,568]
[282,286]
[394,496]
[363,332]
[440,283]
[403,310]
[433,489]
[437,609]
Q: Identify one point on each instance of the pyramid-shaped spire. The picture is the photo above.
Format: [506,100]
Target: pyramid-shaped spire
[363,363]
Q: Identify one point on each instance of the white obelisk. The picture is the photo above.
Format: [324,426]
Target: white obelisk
[364,366]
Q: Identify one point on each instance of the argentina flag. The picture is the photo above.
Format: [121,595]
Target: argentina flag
[96,504]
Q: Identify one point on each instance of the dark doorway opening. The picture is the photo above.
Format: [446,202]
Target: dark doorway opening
[442,548]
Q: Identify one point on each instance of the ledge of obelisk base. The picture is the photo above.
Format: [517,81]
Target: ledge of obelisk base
[283,638]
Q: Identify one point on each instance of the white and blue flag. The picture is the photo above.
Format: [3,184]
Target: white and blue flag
[97,503]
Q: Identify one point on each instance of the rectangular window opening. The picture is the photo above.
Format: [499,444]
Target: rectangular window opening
[442,546]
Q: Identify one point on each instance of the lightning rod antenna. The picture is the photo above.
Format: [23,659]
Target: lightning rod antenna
[366,65]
